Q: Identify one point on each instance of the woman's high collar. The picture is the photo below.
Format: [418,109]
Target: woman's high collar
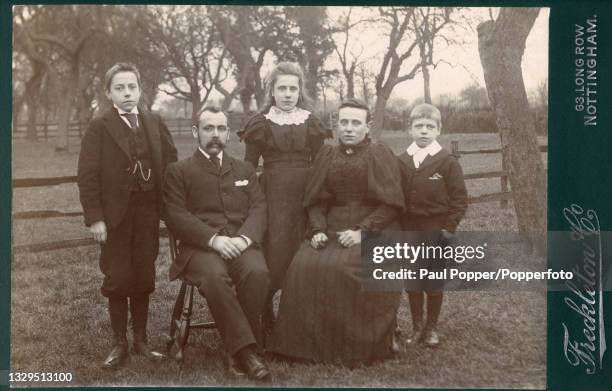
[353,149]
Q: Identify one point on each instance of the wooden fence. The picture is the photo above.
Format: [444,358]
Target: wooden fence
[503,196]
[46,131]
[177,126]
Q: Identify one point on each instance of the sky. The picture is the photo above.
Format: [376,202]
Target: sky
[447,79]
[461,66]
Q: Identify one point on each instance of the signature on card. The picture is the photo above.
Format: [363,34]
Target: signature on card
[585,348]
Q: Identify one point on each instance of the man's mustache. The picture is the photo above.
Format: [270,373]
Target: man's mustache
[215,143]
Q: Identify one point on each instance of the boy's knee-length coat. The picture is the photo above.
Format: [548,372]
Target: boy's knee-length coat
[104,174]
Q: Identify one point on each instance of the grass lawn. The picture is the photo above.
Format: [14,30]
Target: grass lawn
[60,323]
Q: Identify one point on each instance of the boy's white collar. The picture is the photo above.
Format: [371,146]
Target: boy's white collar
[134,110]
[431,149]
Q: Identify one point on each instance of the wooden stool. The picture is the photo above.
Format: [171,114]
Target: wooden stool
[181,323]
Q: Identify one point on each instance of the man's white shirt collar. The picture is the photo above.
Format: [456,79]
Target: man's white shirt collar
[207,156]
[431,149]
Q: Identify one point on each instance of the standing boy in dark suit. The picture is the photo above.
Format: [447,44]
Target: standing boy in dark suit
[217,211]
[121,164]
[436,201]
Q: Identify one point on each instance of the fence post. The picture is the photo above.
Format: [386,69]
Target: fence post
[503,181]
[455,148]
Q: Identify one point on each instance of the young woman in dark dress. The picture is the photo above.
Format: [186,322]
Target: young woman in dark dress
[287,135]
[325,314]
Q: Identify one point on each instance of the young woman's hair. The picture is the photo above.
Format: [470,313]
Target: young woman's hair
[425,110]
[120,67]
[285,68]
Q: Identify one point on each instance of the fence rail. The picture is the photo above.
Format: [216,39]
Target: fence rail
[64,244]
[503,197]
[543,148]
[176,126]
[40,182]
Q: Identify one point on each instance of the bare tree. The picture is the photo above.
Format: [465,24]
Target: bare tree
[63,32]
[29,57]
[366,77]
[248,33]
[307,40]
[542,93]
[428,24]
[412,34]
[187,40]
[126,45]
[400,47]
[501,44]
[343,37]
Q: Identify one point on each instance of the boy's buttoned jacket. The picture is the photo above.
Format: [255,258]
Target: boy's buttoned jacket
[104,173]
[436,188]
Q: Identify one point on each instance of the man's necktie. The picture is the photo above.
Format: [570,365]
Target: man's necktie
[215,160]
[132,119]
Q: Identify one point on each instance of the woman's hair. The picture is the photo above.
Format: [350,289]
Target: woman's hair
[120,67]
[425,110]
[285,68]
[357,104]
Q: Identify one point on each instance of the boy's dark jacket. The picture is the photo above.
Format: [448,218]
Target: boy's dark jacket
[435,188]
[104,164]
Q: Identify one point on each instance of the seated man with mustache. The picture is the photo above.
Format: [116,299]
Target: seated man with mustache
[215,208]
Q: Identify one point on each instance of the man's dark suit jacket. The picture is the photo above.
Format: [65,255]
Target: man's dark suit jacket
[201,201]
[104,164]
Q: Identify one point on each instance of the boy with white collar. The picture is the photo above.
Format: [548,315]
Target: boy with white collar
[122,159]
[436,201]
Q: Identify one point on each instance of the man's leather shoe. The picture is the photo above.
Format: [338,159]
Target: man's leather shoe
[119,353]
[252,365]
[141,348]
[232,367]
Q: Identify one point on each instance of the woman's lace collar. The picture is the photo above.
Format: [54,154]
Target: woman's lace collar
[296,116]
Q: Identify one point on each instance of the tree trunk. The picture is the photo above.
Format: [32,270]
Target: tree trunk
[310,84]
[196,106]
[379,114]
[31,130]
[32,97]
[365,92]
[501,45]
[426,84]
[245,100]
[227,101]
[350,85]
[65,113]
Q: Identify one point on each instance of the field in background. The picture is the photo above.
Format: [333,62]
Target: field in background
[59,319]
